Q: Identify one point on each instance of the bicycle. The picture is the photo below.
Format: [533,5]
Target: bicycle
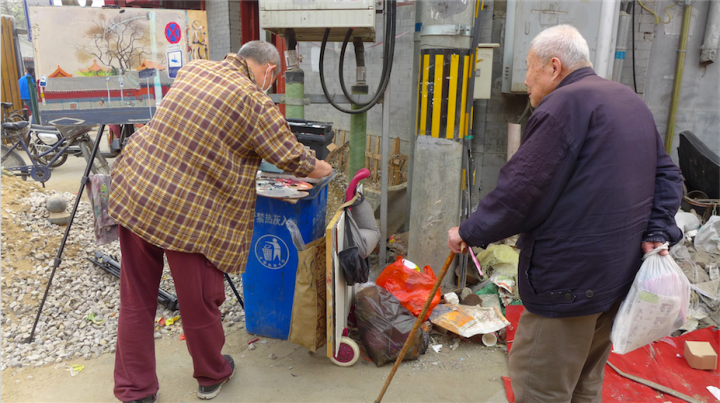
[71,135]
[11,115]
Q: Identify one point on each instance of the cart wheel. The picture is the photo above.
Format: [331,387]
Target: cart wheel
[348,353]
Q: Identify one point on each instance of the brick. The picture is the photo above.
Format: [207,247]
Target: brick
[645,27]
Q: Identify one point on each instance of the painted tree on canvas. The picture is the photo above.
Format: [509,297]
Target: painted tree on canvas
[120,42]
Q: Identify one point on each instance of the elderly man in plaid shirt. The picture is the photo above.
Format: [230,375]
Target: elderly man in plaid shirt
[184,187]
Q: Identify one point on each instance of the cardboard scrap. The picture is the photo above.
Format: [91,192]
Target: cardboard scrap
[700,355]
[467,321]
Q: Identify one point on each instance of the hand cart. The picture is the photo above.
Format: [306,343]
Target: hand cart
[341,349]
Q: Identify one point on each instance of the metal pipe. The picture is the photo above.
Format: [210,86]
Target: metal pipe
[712,35]
[413,107]
[608,25]
[385,150]
[358,122]
[682,50]
[294,80]
[621,47]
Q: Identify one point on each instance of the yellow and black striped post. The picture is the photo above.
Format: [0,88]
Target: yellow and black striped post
[442,93]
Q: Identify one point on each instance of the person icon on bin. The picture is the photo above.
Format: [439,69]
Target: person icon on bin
[276,250]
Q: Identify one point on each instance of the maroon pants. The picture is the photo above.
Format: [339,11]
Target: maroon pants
[200,291]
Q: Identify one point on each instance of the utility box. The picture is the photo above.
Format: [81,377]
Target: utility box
[309,19]
[483,70]
[527,18]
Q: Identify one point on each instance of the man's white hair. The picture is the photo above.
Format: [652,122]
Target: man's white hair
[261,53]
[564,42]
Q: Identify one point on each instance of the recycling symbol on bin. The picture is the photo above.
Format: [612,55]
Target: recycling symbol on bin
[272,252]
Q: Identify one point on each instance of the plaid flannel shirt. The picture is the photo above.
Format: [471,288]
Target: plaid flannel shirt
[186,180]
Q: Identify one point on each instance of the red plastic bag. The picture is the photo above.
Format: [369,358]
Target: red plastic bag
[412,288]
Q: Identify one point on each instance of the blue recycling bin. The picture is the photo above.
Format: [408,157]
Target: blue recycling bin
[269,278]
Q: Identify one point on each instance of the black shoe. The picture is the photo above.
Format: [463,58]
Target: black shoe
[209,392]
[146,399]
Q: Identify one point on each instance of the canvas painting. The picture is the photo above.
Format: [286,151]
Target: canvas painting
[111,66]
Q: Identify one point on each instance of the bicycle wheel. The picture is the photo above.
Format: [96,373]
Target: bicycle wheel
[13,160]
[100,165]
[38,147]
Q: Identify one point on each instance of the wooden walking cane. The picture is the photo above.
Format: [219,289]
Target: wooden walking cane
[419,321]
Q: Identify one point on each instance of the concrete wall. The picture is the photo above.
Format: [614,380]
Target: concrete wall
[223,18]
[699,108]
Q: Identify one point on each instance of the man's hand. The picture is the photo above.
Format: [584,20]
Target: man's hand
[322,169]
[649,246]
[454,240]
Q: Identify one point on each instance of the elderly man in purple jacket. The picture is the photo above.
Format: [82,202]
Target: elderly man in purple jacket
[590,189]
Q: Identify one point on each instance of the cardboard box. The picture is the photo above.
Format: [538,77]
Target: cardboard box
[700,355]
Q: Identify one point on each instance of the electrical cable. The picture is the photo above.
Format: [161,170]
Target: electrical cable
[388,51]
[633,47]
[657,17]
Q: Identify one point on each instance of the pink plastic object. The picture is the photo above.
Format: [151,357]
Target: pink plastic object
[477,264]
[360,175]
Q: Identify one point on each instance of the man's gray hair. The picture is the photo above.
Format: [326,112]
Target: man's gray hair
[564,42]
[261,53]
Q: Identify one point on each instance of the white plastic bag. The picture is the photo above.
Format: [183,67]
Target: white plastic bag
[708,237]
[656,306]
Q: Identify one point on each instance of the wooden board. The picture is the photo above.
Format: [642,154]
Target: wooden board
[330,260]
[10,77]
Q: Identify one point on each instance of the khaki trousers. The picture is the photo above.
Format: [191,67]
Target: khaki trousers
[560,359]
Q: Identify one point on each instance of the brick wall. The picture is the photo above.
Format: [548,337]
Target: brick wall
[644,34]
[224,27]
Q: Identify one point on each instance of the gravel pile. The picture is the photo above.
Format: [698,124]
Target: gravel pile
[79,319]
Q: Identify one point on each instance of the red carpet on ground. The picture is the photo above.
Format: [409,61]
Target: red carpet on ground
[660,362]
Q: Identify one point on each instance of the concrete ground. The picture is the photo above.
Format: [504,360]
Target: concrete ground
[471,372]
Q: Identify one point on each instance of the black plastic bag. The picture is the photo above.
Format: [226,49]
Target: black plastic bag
[385,325]
[356,269]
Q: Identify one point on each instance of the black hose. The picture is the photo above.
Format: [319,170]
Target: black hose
[290,37]
[633,47]
[359,61]
[389,49]
[359,52]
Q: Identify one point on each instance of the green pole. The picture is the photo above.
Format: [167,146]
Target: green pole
[675,100]
[358,134]
[33,101]
[295,94]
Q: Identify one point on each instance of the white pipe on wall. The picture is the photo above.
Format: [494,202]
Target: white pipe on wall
[712,34]
[604,54]
[622,36]
[514,138]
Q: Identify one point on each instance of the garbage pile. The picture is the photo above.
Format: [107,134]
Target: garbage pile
[476,313]
[698,255]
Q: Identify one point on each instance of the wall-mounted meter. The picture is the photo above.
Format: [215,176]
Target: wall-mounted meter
[310,18]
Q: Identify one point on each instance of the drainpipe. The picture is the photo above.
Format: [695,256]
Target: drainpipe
[712,35]
[622,36]
[682,49]
[358,122]
[608,26]
[294,80]
[413,108]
